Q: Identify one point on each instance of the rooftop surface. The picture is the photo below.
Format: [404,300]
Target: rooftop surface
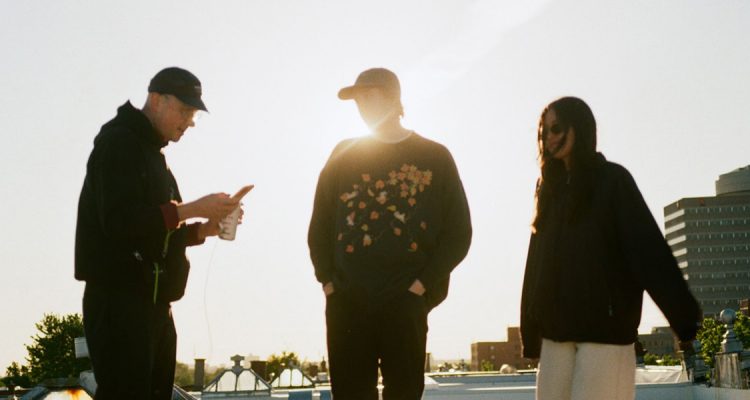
[521,387]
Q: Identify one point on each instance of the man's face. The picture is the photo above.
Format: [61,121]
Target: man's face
[173,117]
[375,106]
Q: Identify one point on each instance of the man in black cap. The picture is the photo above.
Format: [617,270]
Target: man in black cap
[131,239]
[390,222]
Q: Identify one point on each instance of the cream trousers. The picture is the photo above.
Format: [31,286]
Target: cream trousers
[585,371]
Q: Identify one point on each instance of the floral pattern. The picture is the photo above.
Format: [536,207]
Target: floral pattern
[378,207]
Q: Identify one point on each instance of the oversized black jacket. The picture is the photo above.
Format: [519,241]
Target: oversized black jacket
[121,228]
[586,271]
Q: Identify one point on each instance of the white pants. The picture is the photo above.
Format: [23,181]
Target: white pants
[585,371]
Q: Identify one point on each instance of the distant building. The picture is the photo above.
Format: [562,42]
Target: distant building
[710,237]
[249,359]
[260,367]
[499,353]
[660,341]
[745,307]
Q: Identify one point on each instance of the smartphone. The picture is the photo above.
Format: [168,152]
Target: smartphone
[242,192]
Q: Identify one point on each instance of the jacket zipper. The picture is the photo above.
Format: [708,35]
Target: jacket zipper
[157,267]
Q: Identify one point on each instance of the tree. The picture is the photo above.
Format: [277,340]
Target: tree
[310,368]
[742,329]
[52,352]
[487,365]
[17,376]
[278,363]
[711,334]
[183,375]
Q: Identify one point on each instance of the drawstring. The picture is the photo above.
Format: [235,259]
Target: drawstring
[157,267]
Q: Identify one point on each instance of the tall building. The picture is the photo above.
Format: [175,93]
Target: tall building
[710,237]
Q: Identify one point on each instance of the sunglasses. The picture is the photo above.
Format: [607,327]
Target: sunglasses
[556,129]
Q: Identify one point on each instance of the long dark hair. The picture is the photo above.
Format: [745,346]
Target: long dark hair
[571,112]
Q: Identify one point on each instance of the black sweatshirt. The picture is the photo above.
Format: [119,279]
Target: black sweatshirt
[386,214]
[121,227]
[585,275]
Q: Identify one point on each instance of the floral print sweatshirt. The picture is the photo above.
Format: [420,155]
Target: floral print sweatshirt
[386,214]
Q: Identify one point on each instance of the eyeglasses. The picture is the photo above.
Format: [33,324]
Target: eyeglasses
[185,111]
[188,113]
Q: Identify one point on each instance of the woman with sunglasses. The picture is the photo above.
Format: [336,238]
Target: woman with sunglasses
[594,249]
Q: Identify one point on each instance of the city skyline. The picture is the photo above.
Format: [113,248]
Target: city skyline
[710,238]
[667,83]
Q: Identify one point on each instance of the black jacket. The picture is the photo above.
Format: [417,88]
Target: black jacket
[121,229]
[586,270]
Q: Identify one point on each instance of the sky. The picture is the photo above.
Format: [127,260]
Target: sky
[668,82]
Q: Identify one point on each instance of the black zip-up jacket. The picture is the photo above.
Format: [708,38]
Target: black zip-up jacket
[586,271]
[121,229]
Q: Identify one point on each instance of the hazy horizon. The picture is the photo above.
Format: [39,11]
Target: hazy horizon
[667,81]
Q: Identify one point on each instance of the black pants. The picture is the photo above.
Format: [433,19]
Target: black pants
[391,337]
[132,345]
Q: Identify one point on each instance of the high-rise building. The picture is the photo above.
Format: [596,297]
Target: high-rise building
[710,237]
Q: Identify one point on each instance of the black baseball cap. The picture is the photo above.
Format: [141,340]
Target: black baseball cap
[179,83]
[374,77]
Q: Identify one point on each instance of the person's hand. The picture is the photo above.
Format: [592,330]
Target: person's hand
[242,214]
[417,288]
[216,206]
[213,206]
[328,289]
[209,228]
[687,347]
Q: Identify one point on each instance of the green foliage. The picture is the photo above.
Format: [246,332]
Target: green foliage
[650,359]
[310,369]
[52,352]
[183,375]
[16,376]
[486,365]
[711,334]
[669,360]
[278,363]
[653,359]
[742,330]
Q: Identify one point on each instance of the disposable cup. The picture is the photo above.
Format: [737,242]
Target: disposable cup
[81,347]
[228,225]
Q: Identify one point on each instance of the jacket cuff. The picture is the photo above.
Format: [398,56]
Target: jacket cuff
[323,276]
[169,214]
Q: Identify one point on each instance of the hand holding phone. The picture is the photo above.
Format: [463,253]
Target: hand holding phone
[242,192]
[229,224]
